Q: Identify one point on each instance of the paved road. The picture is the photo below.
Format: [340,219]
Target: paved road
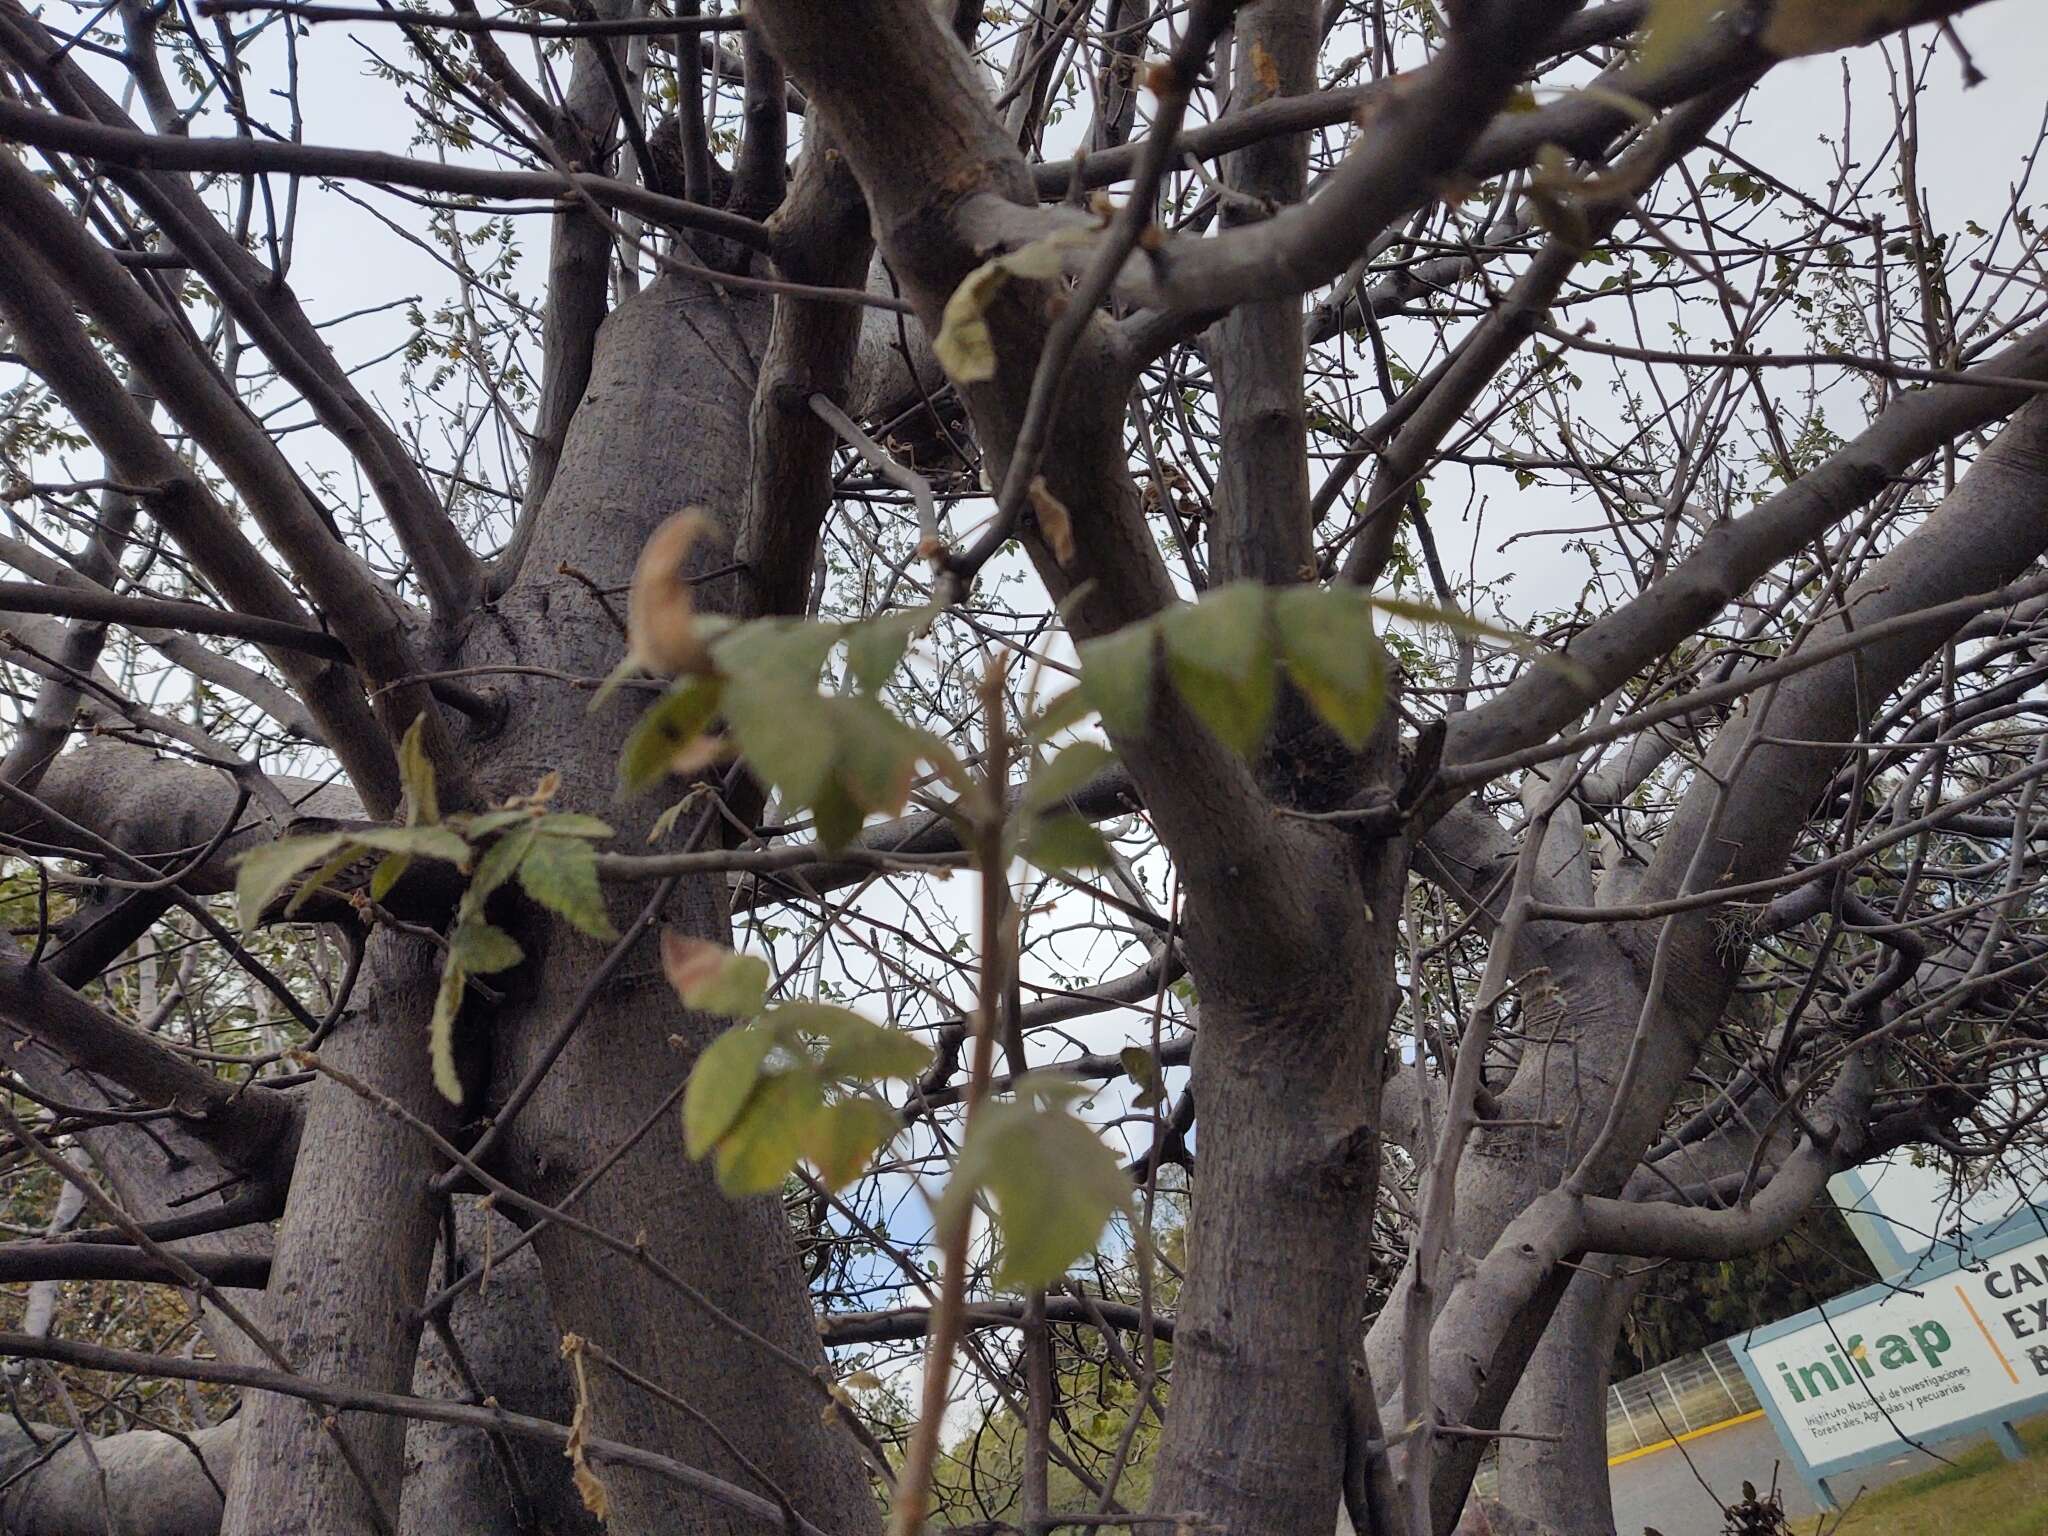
[1660,1490]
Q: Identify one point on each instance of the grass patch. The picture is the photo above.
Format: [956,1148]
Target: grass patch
[1982,1494]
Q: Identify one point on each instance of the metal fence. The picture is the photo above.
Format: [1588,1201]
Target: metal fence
[1676,1398]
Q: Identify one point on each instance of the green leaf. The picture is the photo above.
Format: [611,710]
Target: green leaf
[720,1085]
[1334,658]
[836,815]
[856,1046]
[1058,714]
[1220,654]
[574,824]
[1672,26]
[479,827]
[781,655]
[1053,1182]
[875,647]
[561,874]
[877,754]
[1060,779]
[1116,677]
[1453,619]
[441,1032]
[479,948]
[761,1148]
[426,842]
[614,680]
[1465,624]
[389,871]
[1143,1068]
[841,1139]
[712,978]
[498,863]
[263,872]
[416,773]
[773,705]
[326,872]
[1067,841]
[1225,633]
[675,720]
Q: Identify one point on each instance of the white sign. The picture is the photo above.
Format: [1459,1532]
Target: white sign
[1969,1342]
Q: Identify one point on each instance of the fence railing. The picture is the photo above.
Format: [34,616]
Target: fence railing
[1676,1398]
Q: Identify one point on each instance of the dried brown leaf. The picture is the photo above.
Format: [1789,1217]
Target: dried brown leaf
[661,619]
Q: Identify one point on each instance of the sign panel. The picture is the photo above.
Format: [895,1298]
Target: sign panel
[1913,1362]
[1961,1344]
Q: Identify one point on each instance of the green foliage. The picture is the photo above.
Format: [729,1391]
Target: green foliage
[1685,1307]
[791,1085]
[1221,655]
[549,853]
[840,756]
[1334,658]
[1053,1181]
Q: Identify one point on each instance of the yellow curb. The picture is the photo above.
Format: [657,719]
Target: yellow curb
[1691,1434]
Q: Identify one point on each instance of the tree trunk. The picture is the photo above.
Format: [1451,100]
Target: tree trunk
[1564,1483]
[351,1263]
[455,1481]
[1287,1071]
[663,425]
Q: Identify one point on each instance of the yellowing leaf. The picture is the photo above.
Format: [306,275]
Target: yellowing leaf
[264,871]
[757,1153]
[1671,27]
[1819,26]
[662,634]
[841,1139]
[712,978]
[1333,657]
[1054,521]
[441,1032]
[965,347]
[674,721]
[561,874]
[416,773]
[720,1085]
[1220,654]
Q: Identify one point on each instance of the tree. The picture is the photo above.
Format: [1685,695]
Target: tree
[1508,946]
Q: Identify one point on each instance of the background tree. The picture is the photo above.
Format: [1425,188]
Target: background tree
[1165,347]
